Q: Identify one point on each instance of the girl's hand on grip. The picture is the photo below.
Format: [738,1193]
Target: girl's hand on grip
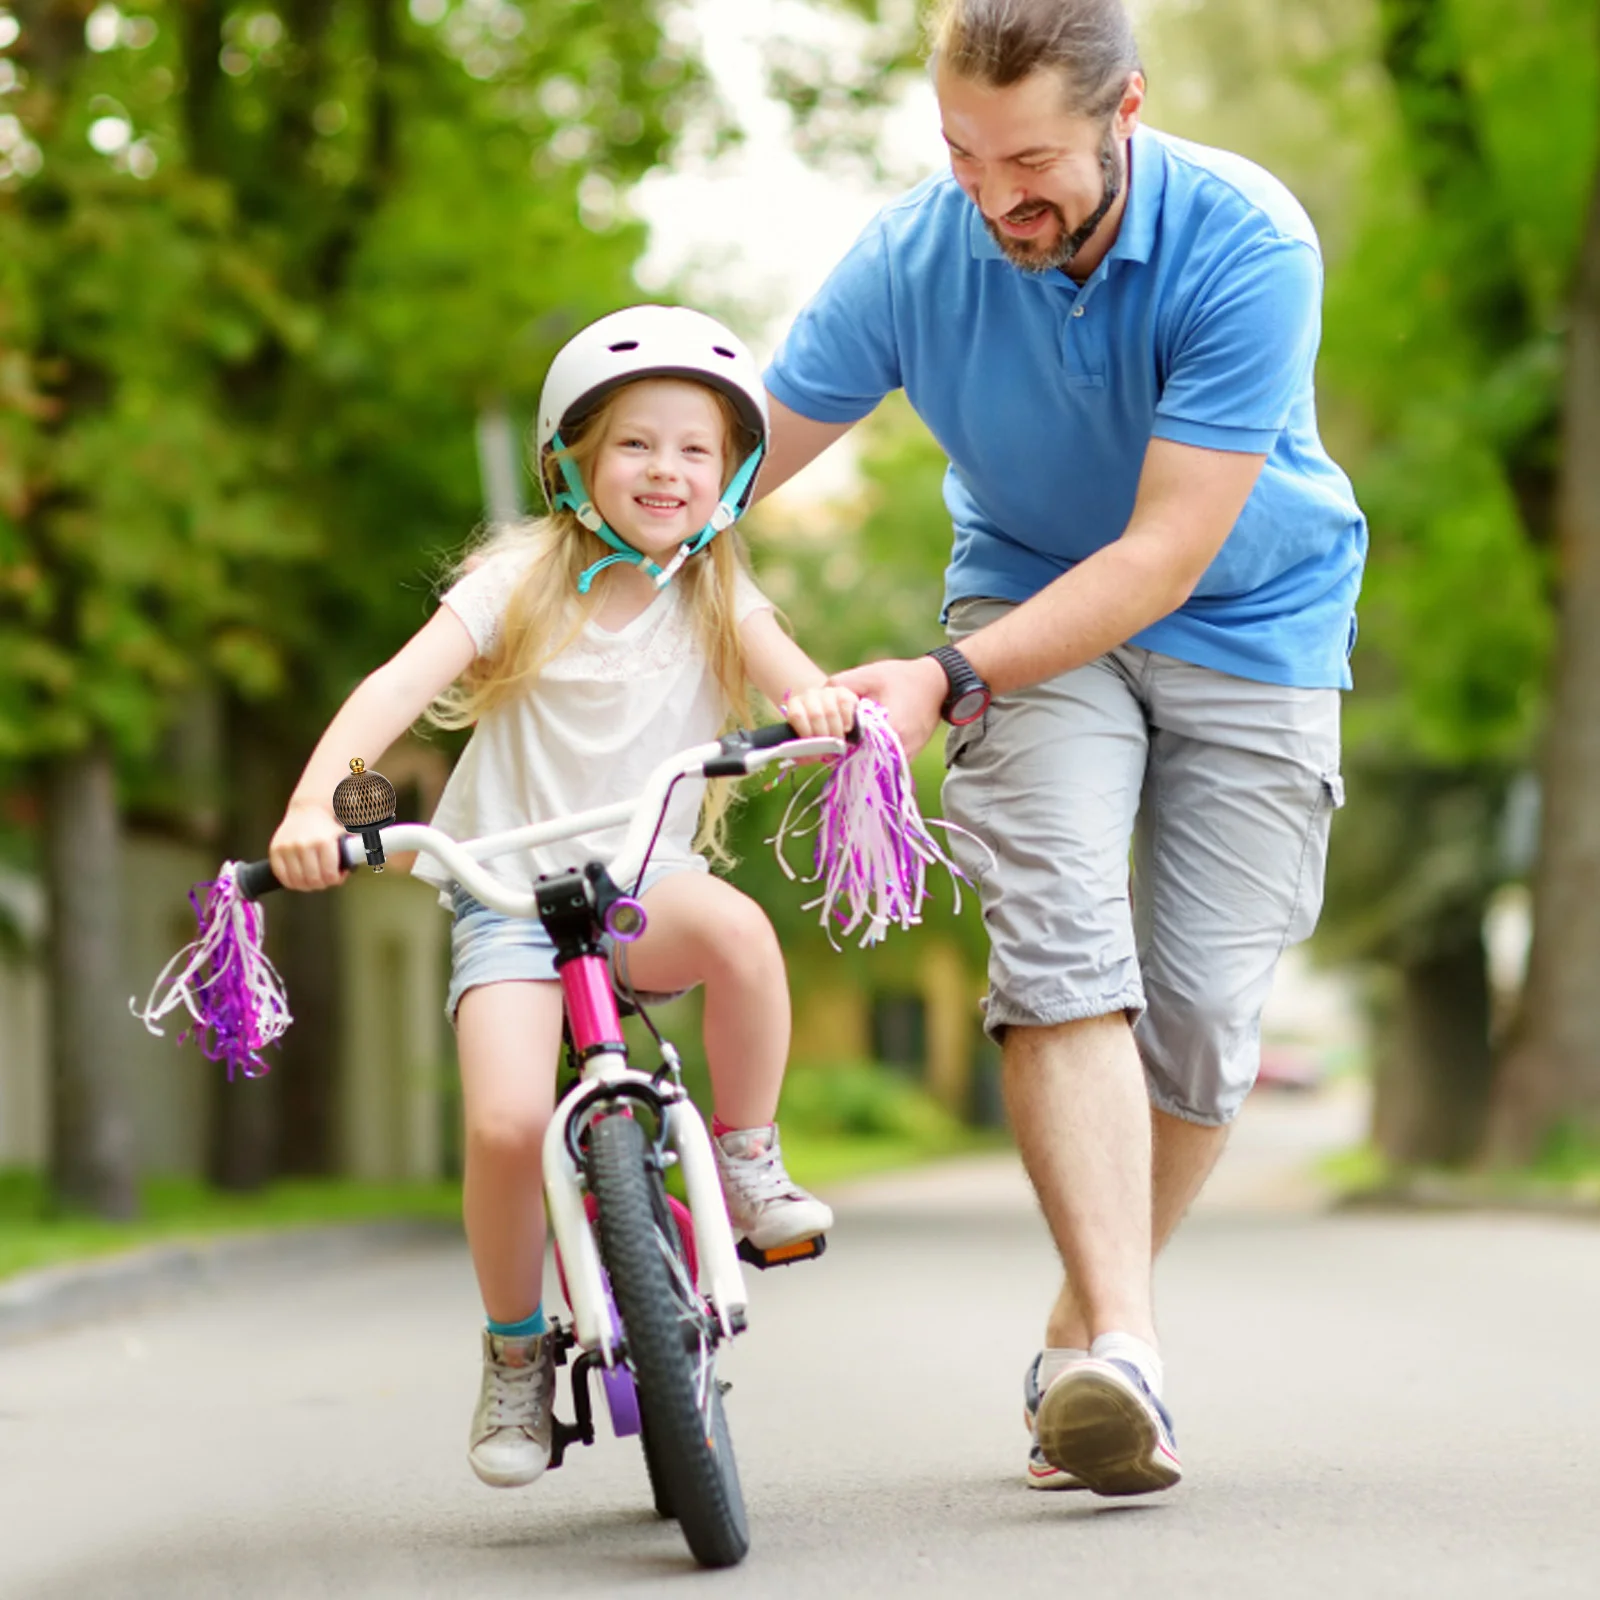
[826,711]
[305,849]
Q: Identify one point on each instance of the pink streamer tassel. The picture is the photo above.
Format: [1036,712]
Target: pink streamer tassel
[873,847]
[224,980]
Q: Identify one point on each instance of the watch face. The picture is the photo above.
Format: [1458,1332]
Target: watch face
[968,707]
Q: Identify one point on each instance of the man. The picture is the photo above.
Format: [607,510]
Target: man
[1112,334]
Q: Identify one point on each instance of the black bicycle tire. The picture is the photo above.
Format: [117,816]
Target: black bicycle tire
[655,1469]
[701,1475]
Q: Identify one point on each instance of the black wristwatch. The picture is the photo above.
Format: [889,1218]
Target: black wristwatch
[968,698]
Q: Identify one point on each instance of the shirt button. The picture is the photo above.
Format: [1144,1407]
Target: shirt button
[1077,311]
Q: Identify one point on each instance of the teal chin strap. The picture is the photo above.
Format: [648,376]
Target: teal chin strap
[573,499]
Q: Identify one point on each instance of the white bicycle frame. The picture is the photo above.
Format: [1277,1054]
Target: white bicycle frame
[606,1071]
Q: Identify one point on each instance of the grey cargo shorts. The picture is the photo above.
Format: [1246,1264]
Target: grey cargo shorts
[1224,788]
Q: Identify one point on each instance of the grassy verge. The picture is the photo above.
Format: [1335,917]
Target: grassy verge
[1567,1175]
[173,1209]
[839,1123]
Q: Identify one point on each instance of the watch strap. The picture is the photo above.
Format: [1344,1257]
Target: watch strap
[960,675]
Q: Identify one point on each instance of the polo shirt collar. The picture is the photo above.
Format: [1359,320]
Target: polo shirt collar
[1137,235]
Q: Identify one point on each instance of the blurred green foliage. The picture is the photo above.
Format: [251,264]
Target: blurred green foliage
[860,1100]
[263,265]
[260,269]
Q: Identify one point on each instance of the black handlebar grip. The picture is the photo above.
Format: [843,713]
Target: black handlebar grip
[781,733]
[775,733]
[256,878]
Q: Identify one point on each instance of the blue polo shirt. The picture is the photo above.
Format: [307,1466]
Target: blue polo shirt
[1201,326]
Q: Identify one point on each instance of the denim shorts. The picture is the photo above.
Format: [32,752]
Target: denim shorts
[1222,788]
[487,946]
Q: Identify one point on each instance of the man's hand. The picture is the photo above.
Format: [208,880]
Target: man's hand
[910,691]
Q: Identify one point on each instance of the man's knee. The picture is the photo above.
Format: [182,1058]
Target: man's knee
[1201,1048]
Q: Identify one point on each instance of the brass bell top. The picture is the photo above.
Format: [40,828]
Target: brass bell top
[364,799]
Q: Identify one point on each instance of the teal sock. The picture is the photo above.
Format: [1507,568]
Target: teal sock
[519,1330]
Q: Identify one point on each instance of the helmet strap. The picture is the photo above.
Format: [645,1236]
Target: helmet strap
[729,509]
[573,498]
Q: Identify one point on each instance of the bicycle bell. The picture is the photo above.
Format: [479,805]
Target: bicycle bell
[365,803]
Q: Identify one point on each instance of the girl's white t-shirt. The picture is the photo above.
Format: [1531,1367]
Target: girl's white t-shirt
[602,715]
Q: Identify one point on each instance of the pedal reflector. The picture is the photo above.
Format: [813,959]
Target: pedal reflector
[783,1255]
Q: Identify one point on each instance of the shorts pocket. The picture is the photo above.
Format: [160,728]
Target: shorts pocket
[1333,790]
[960,742]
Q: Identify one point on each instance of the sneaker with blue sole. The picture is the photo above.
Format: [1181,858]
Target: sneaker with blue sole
[1041,1475]
[1099,1423]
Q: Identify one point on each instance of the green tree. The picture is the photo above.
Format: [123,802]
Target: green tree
[438,190]
[1436,382]
[125,504]
[261,266]
[1478,476]
[1549,1078]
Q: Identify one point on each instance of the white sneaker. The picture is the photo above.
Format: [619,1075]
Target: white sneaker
[765,1204]
[511,1428]
[1100,1422]
[1041,1473]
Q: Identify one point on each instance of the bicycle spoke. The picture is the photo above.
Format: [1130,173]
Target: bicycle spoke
[671,1343]
[692,1313]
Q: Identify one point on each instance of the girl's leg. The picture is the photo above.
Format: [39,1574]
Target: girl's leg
[509,1037]
[703,930]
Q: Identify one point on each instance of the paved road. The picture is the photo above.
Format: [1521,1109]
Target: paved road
[1367,1406]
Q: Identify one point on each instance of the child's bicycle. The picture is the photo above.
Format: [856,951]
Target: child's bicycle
[653,1287]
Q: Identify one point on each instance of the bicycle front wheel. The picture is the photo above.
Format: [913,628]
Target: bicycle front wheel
[668,1333]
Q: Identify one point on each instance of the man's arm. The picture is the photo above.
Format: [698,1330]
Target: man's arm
[796,442]
[1189,500]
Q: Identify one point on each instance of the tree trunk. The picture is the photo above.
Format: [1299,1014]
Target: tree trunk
[284,1122]
[93,1160]
[1551,1071]
[1434,1063]
[309,958]
[242,1154]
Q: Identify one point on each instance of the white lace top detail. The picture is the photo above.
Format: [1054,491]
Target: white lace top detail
[604,712]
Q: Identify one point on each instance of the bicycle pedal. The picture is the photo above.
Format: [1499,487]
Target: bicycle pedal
[783,1255]
[563,1434]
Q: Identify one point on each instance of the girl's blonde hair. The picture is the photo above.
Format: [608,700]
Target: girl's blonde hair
[546,613]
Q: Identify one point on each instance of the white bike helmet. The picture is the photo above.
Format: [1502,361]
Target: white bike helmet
[650,342]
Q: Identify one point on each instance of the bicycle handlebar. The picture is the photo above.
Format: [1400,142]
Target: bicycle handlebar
[774,733]
[256,878]
[734,755]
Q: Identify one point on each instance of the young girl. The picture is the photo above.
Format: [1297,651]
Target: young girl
[586,646]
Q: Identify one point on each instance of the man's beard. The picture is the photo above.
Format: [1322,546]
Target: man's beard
[1058,257]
